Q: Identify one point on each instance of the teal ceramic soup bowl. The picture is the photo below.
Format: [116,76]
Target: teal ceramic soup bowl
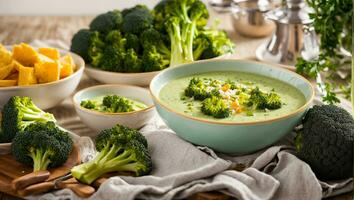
[231,137]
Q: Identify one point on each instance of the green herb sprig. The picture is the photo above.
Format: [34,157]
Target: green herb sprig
[332,20]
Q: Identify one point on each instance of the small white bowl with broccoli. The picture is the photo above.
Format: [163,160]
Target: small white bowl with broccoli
[103,106]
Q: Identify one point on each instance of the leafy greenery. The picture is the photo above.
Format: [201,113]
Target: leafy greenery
[333,23]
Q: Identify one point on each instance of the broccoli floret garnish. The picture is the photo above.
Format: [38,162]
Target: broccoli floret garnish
[42,145]
[198,90]
[115,104]
[18,113]
[120,149]
[137,20]
[107,21]
[80,44]
[89,104]
[326,142]
[261,100]
[215,107]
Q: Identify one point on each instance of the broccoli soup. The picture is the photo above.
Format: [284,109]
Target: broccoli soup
[231,96]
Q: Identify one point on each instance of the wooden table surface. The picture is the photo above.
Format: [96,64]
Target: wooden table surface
[16,29]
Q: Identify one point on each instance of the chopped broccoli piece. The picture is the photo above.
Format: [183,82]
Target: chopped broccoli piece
[120,149]
[216,107]
[326,142]
[137,20]
[42,145]
[262,100]
[80,43]
[18,113]
[107,21]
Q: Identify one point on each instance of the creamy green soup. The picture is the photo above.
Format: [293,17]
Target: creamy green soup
[173,95]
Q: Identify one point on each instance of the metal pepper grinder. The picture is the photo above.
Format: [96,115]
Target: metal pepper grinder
[294,35]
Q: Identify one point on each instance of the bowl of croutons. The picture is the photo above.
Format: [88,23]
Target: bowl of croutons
[47,75]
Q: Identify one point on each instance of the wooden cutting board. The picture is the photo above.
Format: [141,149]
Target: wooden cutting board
[10,169]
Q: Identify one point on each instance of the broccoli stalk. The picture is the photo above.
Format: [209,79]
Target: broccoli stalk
[120,149]
[174,32]
[18,113]
[40,158]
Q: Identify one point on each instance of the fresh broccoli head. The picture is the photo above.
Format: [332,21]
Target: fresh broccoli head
[80,44]
[135,8]
[18,113]
[107,21]
[216,107]
[137,20]
[261,100]
[120,149]
[42,145]
[326,142]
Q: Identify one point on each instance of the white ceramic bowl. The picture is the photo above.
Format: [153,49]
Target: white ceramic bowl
[139,79]
[99,121]
[47,95]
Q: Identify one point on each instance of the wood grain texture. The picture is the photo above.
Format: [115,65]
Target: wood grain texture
[16,29]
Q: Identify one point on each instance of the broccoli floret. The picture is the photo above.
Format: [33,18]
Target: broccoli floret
[120,149]
[113,59]
[198,90]
[261,100]
[199,45]
[151,37]
[18,113]
[132,63]
[326,142]
[42,145]
[96,48]
[107,21]
[216,107]
[153,60]
[219,44]
[116,104]
[137,20]
[89,104]
[133,9]
[132,42]
[80,43]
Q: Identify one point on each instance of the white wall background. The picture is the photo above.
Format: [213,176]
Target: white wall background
[66,7]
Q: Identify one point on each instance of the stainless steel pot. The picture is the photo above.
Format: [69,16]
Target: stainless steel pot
[248,19]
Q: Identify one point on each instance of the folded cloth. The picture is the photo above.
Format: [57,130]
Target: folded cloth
[182,169]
